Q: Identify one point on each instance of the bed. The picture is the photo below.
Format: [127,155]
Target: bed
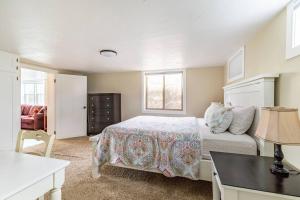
[225,142]
[179,146]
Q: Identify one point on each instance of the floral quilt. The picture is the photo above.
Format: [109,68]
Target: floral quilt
[168,144]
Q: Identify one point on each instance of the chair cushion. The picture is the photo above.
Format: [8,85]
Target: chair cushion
[27,119]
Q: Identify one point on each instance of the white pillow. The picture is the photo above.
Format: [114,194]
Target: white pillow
[242,119]
[214,106]
[219,119]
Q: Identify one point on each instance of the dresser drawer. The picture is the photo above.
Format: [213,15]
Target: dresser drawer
[93,105]
[106,98]
[106,105]
[97,127]
[106,118]
[94,99]
[100,112]
[94,126]
[100,119]
[106,112]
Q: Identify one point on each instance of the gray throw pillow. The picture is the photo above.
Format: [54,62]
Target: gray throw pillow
[242,119]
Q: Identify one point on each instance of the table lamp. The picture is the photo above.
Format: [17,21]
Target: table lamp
[279,125]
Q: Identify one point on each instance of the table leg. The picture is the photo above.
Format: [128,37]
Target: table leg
[41,198]
[59,179]
[55,194]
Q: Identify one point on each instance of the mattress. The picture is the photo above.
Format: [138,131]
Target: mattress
[225,142]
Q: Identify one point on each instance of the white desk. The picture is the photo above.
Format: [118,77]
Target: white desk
[28,177]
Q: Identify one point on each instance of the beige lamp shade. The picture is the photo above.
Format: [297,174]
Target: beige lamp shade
[279,125]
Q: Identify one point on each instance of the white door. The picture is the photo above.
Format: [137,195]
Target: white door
[9,100]
[70,106]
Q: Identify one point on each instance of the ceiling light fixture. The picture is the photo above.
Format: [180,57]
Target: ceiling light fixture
[108,53]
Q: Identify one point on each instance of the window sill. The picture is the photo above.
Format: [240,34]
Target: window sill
[167,112]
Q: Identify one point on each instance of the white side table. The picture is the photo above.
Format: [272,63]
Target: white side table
[28,177]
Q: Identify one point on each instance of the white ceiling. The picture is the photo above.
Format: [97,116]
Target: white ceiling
[147,34]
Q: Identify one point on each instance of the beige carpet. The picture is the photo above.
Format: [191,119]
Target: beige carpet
[118,183]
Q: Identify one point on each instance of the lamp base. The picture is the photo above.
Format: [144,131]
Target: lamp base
[280,171]
[277,168]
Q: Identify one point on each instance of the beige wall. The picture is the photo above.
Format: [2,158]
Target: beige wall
[203,86]
[265,53]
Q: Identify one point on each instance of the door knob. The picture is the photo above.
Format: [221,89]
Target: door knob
[84,107]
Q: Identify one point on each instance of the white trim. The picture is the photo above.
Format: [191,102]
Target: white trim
[290,50]
[242,75]
[38,68]
[261,76]
[167,112]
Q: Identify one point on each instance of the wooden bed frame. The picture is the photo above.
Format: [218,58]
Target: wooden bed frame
[258,91]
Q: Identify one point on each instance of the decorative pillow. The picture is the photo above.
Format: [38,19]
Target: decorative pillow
[220,119]
[242,119]
[214,106]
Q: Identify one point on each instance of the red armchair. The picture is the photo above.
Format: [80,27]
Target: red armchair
[32,117]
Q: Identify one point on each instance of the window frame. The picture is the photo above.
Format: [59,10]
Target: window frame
[163,110]
[290,50]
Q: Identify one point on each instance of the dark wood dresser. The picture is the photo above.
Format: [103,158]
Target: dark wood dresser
[104,109]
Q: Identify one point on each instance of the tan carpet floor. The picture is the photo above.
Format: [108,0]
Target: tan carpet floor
[119,183]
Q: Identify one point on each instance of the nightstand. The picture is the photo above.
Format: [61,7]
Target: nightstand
[246,177]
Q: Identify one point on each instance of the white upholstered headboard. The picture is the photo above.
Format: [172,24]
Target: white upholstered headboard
[258,91]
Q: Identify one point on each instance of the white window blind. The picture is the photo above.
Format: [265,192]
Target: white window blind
[293,29]
[164,91]
[33,86]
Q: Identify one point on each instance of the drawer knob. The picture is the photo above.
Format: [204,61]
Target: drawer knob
[215,174]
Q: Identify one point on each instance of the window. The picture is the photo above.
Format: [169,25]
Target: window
[293,29]
[33,93]
[32,87]
[164,92]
